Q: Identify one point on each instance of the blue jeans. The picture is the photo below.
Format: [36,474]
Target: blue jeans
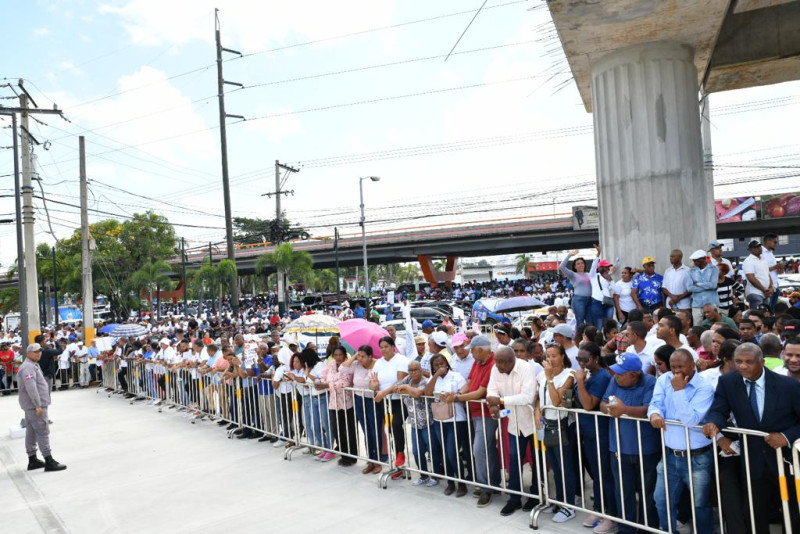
[420,447]
[562,461]
[631,485]
[580,307]
[370,418]
[317,421]
[596,313]
[517,447]
[484,451]
[678,480]
[443,442]
[601,485]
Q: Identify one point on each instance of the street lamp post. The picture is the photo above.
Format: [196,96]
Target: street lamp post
[364,241]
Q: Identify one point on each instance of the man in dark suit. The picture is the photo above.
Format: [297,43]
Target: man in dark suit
[767,402]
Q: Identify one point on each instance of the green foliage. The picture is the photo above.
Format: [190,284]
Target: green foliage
[250,231]
[293,263]
[522,264]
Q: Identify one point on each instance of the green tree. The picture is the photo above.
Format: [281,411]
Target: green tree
[9,300]
[288,262]
[151,277]
[325,280]
[407,274]
[522,264]
[250,231]
[217,279]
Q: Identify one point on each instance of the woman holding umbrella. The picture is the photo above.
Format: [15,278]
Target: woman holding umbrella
[368,412]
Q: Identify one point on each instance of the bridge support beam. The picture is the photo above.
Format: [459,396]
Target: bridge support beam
[651,189]
[435,277]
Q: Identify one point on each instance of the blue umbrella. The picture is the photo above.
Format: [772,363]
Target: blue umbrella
[518,304]
[107,329]
[129,330]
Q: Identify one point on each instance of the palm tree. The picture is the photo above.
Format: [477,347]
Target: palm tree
[522,264]
[151,277]
[290,264]
[217,278]
[325,280]
[407,273]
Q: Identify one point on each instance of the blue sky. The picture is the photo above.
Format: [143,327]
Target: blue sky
[495,135]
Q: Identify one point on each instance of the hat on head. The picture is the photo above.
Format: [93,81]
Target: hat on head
[422,338]
[714,244]
[460,339]
[697,254]
[791,328]
[627,362]
[34,347]
[164,341]
[604,263]
[564,330]
[427,323]
[648,259]
[754,243]
[480,341]
[440,338]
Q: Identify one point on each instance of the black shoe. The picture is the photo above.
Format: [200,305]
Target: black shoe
[510,508]
[243,435]
[264,438]
[222,423]
[52,465]
[231,426]
[462,490]
[530,504]
[34,463]
[451,487]
[254,435]
[484,499]
[237,432]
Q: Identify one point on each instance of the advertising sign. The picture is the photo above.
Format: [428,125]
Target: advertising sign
[780,206]
[728,210]
[585,218]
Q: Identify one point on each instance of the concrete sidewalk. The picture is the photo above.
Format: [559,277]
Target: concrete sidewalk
[132,469]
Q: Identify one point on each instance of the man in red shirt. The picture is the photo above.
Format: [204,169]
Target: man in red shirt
[6,367]
[484,444]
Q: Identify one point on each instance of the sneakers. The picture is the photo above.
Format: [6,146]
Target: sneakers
[431,482]
[401,460]
[420,481]
[326,457]
[484,499]
[510,508]
[563,515]
[550,509]
[278,444]
[606,526]
[530,504]
[591,521]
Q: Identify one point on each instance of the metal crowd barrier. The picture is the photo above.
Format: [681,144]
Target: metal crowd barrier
[348,423]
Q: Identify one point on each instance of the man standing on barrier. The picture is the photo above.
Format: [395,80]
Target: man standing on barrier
[512,385]
[629,394]
[761,400]
[34,398]
[683,395]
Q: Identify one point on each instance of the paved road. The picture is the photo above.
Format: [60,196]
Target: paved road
[132,469]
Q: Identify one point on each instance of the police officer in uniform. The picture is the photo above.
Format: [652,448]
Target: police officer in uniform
[34,398]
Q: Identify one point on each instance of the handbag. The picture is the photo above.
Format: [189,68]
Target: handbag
[607,301]
[442,411]
[551,431]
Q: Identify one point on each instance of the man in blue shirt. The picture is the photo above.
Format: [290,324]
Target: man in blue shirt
[703,279]
[646,286]
[683,395]
[629,394]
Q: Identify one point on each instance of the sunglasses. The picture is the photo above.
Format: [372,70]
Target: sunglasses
[584,360]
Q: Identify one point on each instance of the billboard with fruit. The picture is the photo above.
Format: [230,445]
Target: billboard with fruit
[738,209]
[779,206]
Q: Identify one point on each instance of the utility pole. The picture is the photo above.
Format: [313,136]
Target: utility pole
[279,183]
[185,287]
[86,251]
[56,314]
[31,282]
[22,265]
[336,255]
[211,282]
[226,188]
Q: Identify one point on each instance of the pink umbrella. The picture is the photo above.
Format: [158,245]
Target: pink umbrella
[357,332]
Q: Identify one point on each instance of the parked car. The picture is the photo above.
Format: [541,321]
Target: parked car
[483,312]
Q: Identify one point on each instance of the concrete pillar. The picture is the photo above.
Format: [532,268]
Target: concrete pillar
[651,190]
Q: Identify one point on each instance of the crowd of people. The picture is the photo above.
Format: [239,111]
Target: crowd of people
[608,381]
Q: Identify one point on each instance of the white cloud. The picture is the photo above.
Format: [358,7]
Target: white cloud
[41,32]
[250,24]
[284,125]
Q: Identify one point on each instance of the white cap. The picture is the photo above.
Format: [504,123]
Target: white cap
[164,341]
[697,254]
[440,338]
